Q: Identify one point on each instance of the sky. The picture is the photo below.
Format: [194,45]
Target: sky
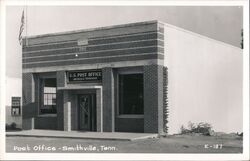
[222,23]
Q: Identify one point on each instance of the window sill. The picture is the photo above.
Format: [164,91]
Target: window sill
[47,115]
[130,116]
[19,115]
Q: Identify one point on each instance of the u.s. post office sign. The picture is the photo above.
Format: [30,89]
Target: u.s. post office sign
[84,76]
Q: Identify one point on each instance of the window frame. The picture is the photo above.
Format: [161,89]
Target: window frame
[41,79]
[127,71]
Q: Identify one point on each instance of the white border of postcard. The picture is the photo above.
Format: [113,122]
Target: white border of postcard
[128,156]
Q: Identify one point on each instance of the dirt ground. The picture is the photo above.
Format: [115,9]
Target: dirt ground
[169,144]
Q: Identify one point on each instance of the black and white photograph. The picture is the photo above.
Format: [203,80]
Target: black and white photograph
[154,81]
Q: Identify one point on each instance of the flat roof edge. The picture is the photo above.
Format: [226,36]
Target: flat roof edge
[132,24]
[92,29]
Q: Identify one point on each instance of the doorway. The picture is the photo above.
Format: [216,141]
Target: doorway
[87,112]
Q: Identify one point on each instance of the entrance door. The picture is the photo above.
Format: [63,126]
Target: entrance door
[87,112]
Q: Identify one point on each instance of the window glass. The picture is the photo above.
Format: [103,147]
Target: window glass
[130,94]
[49,96]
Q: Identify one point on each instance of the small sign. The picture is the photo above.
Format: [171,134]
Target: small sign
[82,42]
[16,101]
[85,76]
[16,104]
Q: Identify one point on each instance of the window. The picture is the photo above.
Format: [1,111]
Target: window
[15,106]
[130,94]
[48,105]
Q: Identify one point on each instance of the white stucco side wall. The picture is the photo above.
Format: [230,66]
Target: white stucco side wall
[205,81]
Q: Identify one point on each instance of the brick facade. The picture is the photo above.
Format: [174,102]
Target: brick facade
[29,109]
[131,47]
[60,80]
[153,98]
[108,99]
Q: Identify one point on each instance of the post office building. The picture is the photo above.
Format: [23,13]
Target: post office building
[111,79]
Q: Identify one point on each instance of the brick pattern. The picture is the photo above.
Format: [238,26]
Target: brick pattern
[60,80]
[108,99]
[29,105]
[91,49]
[99,111]
[94,33]
[46,123]
[95,54]
[66,112]
[29,109]
[165,100]
[154,98]
[50,46]
[27,85]
[129,125]
[153,92]
[133,42]
[98,60]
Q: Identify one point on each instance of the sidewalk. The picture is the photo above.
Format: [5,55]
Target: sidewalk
[82,135]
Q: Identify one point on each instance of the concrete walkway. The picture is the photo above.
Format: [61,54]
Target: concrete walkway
[82,135]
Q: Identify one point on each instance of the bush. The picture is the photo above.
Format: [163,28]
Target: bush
[199,128]
[184,130]
[11,126]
